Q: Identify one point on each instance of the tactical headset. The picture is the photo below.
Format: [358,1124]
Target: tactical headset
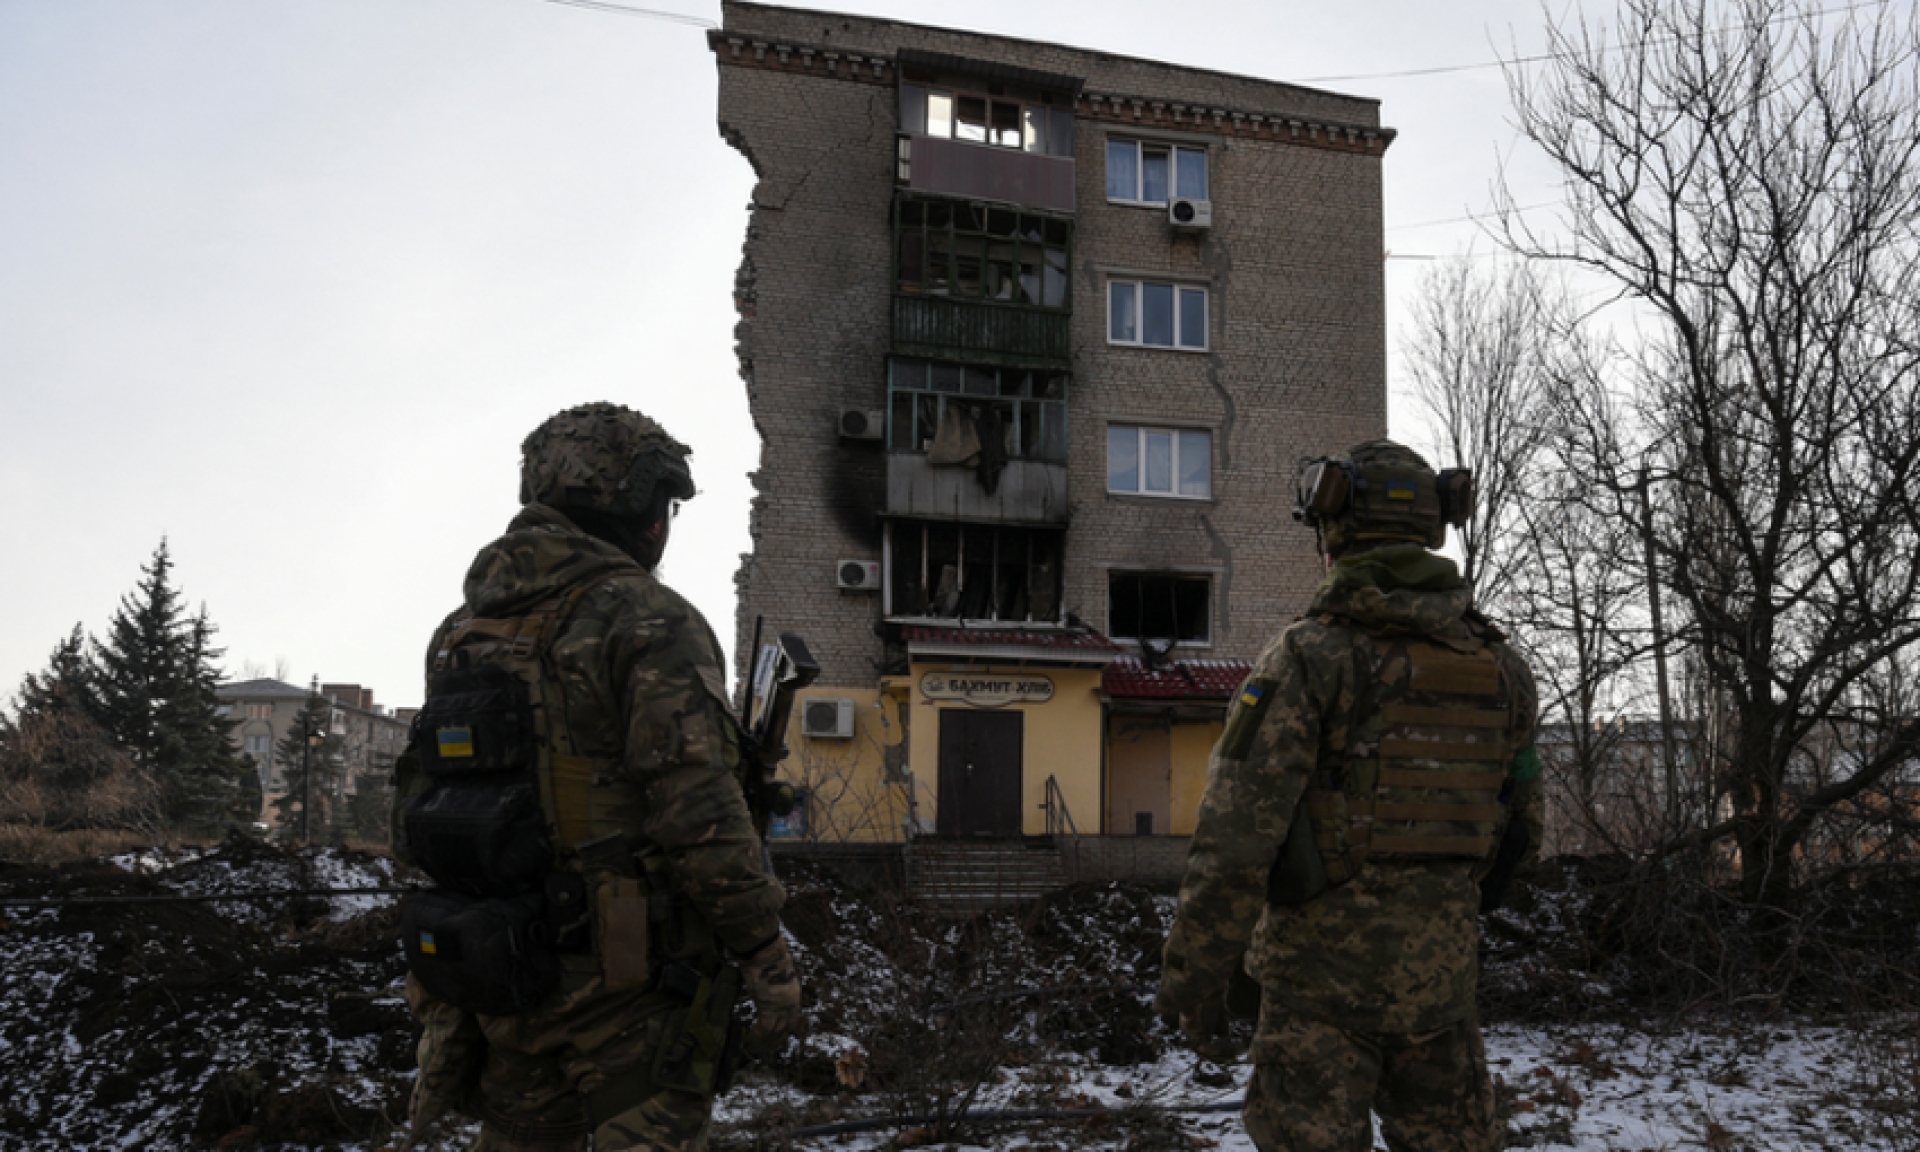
[1331,487]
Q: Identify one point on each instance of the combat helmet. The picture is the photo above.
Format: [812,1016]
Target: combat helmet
[1381,493]
[603,458]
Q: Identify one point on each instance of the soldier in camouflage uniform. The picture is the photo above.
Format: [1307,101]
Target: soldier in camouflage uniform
[1379,751]
[637,674]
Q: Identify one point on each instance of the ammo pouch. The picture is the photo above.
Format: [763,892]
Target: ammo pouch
[479,827]
[493,957]
[699,1056]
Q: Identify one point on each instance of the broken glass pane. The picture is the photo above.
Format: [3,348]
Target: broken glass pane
[1053,288]
[913,269]
[1006,124]
[970,119]
[980,382]
[946,378]
[1060,132]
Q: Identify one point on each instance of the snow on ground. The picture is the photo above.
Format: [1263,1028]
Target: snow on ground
[277,1024]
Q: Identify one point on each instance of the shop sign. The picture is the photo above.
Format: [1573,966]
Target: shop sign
[986,689]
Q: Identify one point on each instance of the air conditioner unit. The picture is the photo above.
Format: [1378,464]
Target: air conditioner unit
[827,718]
[858,575]
[862,423]
[1193,214]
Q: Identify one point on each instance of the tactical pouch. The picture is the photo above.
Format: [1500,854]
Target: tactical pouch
[491,957]
[695,1058]
[476,722]
[480,839]
[620,920]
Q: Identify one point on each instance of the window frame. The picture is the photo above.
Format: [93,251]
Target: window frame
[1174,433]
[1173,150]
[1044,128]
[1026,394]
[959,249]
[1179,290]
[1205,579]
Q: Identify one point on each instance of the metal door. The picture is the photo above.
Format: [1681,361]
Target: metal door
[980,772]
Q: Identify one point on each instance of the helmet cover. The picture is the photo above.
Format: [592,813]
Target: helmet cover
[1395,498]
[603,458]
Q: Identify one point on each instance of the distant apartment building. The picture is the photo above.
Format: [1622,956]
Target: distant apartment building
[265,711]
[1035,338]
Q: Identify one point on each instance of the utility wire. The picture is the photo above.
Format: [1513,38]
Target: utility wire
[648,13]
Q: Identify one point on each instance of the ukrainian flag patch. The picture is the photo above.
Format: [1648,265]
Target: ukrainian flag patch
[455,743]
[1251,694]
[427,945]
[1401,490]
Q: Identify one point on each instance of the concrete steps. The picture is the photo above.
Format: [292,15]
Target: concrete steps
[959,877]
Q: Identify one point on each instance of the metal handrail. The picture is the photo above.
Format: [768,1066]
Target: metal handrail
[1059,819]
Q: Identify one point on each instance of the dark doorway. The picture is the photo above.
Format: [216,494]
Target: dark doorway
[980,773]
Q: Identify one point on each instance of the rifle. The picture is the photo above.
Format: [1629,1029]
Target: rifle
[779,672]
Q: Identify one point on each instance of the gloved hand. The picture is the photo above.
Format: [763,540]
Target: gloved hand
[451,1050]
[1205,1028]
[774,985]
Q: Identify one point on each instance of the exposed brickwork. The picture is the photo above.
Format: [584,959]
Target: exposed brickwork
[1293,265]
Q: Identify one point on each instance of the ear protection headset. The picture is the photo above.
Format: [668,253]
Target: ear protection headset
[1330,486]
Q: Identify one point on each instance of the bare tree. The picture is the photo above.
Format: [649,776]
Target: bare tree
[1746,178]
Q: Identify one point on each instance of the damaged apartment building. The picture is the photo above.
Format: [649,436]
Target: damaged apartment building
[1035,338]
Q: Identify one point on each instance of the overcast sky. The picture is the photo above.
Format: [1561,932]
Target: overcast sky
[287,283]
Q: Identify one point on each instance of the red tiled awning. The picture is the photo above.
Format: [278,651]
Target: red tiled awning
[1128,678]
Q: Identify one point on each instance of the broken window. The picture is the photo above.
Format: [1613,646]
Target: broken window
[951,571]
[1024,124]
[982,252]
[1139,172]
[1159,606]
[1026,407]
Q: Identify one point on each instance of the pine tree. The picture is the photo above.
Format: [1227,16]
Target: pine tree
[155,676]
[325,758]
[59,765]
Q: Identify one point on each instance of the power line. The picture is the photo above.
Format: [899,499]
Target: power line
[647,13]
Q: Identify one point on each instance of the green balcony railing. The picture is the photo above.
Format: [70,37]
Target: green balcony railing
[981,333]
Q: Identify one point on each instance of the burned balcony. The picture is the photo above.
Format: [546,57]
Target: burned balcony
[980,282]
[976,442]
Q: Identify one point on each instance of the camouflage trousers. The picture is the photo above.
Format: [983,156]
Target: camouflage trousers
[575,1073]
[1315,1088]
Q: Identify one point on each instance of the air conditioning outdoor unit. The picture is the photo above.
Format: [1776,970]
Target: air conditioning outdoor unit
[862,423]
[827,718]
[858,575]
[1193,214]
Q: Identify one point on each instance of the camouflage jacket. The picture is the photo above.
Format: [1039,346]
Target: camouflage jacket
[1395,949]
[640,674]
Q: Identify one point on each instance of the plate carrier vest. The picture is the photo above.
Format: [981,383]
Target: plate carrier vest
[1423,774]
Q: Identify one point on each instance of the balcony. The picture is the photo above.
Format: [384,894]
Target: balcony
[1029,492]
[984,172]
[983,333]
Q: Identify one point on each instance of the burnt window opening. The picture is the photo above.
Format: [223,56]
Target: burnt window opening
[932,404]
[982,252]
[950,571]
[1159,606]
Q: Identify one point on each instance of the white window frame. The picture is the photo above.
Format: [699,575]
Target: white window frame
[1140,148]
[1141,432]
[1139,320]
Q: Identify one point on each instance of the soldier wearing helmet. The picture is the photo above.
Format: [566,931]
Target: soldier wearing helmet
[1375,783]
[572,787]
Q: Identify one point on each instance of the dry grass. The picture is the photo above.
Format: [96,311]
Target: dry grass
[32,844]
